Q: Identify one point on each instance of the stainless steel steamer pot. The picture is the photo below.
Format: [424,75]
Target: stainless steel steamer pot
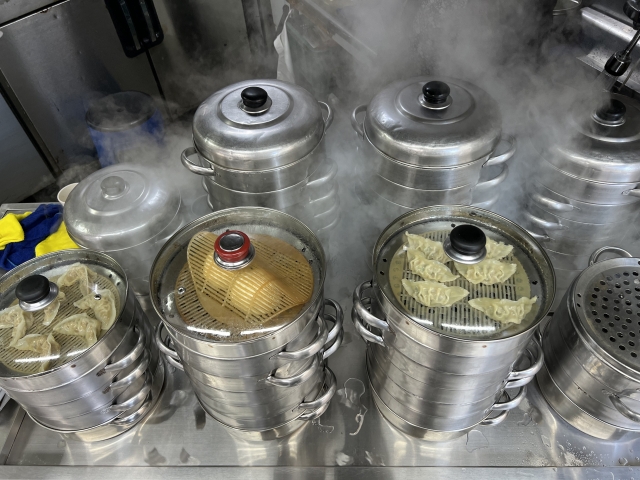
[104,390]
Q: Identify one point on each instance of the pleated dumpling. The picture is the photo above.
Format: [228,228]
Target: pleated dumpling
[428,269]
[16,318]
[51,310]
[430,248]
[45,346]
[434,294]
[488,272]
[80,325]
[103,305]
[503,310]
[80,274]
[497,250]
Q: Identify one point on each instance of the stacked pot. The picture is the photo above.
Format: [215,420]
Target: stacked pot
[427,141]
[591,375]
[584,190]
[264,382]
[92,393]
[259,143]
[436,373]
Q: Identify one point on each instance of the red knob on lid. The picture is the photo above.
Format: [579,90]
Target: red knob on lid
[232,246]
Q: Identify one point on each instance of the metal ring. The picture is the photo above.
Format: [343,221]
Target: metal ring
[329,120]
[513,145]
[623,409]
[295,379]
[362,312]
[537,357]
[136,399]
[134,375]
[310,350]
[132,356]
[363,331]
[192,167]
[357,126]
[510,404]
[324,399]
[595,255]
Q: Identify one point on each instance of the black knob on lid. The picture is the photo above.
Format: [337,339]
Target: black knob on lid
[33,289]
[467,240]
[612,111]
[254,97]
[436,92]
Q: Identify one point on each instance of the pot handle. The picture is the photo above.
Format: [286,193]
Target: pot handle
[541,237]
[323,400]
[310,350]
[595,255]
[634,192]
[329,120]
[546,224]
[493,182]
[170,354]
[510,404]
[336,334]
[506,156]
[133,376]
[192,167]
[623,409]
[537,359]
[357,126]
[551,204]
[489,422]
[360,313]
[136,399]
[132,356]
[310,416]
[294,380]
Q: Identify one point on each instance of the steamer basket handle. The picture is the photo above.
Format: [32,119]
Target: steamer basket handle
[635,192]
[551,204]
[324,399]
[357,126]
[134,375]
[546,224]
[310,350]
[136,399]
[313,415]
[623,409]
[192,167]
[170,354]
[362,312]
[132,356]
[329,120]
[488,422]
[295,379]
[596,255]
[512,403]
[537,358]
[366,334]
[493,182]
[506,156]
[336,334]
[541,237]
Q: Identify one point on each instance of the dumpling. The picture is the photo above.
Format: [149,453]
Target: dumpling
[428,269]
[488,271]
[81,274]
[51,310]
[433,294]
[44,346]
[103,305]
[503,310]
[431,249]
[80,325]
[16,318]
[497,250]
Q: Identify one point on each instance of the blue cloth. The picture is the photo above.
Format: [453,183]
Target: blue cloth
[39,225]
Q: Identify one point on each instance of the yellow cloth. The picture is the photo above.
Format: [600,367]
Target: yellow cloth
[55,242]
[10,228]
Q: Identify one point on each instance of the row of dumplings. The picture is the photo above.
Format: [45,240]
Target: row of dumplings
[426,258]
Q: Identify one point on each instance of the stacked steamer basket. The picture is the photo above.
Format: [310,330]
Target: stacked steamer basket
[428,141]
[583,193]
[258,374]
[591,375]
[259,143]
[85,388]
[438,372]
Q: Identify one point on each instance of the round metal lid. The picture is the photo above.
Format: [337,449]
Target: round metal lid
[534,275]
[604,141]
[119,207]
[22,294]
[433,121]
[257,125]
[172,283]
[120,111]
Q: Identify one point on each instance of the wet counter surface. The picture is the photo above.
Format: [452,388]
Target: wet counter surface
[351,440]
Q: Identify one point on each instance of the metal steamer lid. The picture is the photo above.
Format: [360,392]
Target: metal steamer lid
[605,299]
[34,301]
[604,142]
[120,111]
[257,125]
[119,207]
[433,121]
[231,242]
[534,275]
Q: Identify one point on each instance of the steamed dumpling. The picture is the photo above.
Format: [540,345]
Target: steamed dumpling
[434,294]
[16,318]
[497,250]
[45,346]
[428,269]
[488,271]
[103,305]
[80,325]
[431,249]
[51,310]
[503,310]
[80,274]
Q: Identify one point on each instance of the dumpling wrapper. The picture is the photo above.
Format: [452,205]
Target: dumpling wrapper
[503,310]
[430,248]
[80,325]
[16,318]
[103,308]
[434,294]
[428,269]
[81,274]
[45,346]
[488,272]
[497,250]
[51,310]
